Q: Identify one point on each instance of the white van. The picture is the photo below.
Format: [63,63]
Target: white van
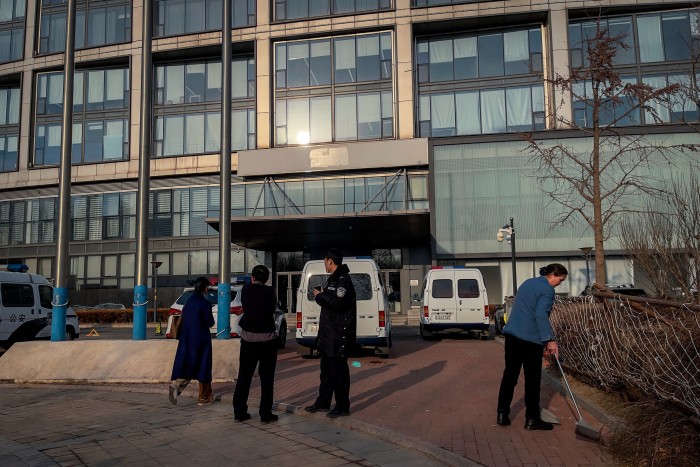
[26,309]
[373,322]
[453,299]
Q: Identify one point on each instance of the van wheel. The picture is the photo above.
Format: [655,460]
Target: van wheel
[70,335]
[383,352]
[426,335]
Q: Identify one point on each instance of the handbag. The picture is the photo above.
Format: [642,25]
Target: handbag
[175,326]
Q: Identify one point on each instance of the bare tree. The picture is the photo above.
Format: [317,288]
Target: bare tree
[607,178]
[665,241]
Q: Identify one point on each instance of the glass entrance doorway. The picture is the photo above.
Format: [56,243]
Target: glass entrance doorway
[392,281]
[287,286]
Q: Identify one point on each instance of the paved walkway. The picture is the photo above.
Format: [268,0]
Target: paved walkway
[69,426]
[444,393]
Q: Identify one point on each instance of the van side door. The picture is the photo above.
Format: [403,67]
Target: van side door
[21,320]
[443,306]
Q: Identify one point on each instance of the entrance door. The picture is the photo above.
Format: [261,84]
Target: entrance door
[287,286]
[392,279]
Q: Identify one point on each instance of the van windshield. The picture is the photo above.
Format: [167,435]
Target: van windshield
[362,283]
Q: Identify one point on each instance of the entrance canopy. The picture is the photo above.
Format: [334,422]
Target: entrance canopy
[384,229]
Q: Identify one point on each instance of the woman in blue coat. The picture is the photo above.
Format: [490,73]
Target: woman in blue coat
[193,359]
[528,334]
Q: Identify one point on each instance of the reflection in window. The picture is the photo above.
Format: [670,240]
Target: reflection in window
[620,111]
[513,109]
[184,91]
[337,112]
[9,127]
[176,17]
[100,106]
[296,9]
[96,25]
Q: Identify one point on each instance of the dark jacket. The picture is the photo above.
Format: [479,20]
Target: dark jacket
[193,359]
[529,318]
[259,303]
[336,329]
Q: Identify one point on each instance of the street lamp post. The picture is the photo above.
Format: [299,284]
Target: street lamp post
[508,232]
[586,250]
[156,265]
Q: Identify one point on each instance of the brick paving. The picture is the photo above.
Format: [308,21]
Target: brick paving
[75,426]
[443,392]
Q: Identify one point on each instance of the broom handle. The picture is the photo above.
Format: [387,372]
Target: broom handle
[571,393]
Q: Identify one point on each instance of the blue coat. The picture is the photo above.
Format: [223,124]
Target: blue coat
[529,318]
[193,359]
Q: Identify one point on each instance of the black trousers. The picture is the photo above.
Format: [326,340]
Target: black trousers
[252,354]
[335,379]
[520,353]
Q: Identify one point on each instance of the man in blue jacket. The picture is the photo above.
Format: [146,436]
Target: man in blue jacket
[193,359]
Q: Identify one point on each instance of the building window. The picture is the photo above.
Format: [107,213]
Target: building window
[481,83]
[177,17]
[100,119]
[328,74]
[11,30]
[96,24]
[426,3]
[657,49]
[187,107]
[27,221]
[108,216]
[9,127]
[299,9]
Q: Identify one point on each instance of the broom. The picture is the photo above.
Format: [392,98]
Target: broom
[583,428]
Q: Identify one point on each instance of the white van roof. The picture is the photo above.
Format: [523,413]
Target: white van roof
[350,259]
[22,278]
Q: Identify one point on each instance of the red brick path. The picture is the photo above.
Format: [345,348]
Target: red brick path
[443,392]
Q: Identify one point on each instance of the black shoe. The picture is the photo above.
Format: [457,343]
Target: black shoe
[502,419]
[316,408]
[269,418]
[243,417]
[537,424]
[335,413]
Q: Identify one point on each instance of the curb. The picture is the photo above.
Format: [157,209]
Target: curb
[430,450]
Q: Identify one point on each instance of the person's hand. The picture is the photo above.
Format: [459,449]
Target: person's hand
[316,292]
[551,349]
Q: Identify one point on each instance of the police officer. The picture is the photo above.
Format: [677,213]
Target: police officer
[336,335]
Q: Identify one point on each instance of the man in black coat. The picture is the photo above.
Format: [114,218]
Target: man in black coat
[258,345]
[336,335]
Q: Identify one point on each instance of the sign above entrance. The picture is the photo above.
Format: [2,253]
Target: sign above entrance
[324,158]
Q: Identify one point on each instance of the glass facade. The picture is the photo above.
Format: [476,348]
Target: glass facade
[9,127]
[100,118]
[334,89]
[25,222]
[477,183]
[656,49]
[301,9]
[489,82]
[188,107]
[177,17]
[11,29]
[97,23]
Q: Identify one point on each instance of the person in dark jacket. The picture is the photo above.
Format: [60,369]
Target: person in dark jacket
[258,346]
[529,335]
[193,359]
[336,335]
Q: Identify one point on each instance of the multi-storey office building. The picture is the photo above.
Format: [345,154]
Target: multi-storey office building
[385,127]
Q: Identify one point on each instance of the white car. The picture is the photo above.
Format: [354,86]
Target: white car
[236,313]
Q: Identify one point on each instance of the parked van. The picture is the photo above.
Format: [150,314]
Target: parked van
[453,299]
[373,322]
[26,308]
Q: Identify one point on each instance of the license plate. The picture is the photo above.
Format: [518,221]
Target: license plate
[442,316]
[312,329]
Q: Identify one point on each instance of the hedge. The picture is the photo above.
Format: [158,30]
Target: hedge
[118,316]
